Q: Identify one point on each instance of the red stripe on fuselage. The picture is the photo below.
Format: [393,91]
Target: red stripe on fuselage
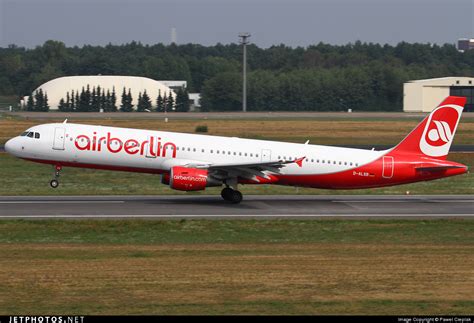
[366,176]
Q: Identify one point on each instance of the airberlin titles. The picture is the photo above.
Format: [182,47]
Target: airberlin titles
[153,146]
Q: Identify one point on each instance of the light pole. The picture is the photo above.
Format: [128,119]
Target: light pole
[244,41]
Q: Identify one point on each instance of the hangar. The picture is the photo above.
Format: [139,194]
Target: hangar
[425,95]
[57,88]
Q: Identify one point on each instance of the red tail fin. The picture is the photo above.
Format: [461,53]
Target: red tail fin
[434,135]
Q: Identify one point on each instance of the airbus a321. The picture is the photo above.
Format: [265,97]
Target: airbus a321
[190,162]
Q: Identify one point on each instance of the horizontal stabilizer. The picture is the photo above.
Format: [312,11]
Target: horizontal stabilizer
[437,168]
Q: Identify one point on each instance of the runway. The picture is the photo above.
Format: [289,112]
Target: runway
[256,206]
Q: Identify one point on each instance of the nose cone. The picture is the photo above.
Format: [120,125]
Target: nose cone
[10,146]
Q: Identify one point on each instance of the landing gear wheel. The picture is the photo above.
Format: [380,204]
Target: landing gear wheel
[236,197]
[54,182]
[231,195]
[226,193]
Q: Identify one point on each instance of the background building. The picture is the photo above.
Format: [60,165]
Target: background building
[194,101]
[57,89]
[465,44]
[425,95]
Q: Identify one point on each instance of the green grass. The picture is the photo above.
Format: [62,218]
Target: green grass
[19,177]
[442,232]
[397,267]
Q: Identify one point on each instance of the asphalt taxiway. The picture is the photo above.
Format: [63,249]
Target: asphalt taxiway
[255,206]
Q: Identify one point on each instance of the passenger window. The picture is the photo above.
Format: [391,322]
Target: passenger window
[194,149]
[202,150]
[37,135]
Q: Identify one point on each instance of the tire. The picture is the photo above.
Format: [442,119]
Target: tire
[236,197]
[54,183]
[226,193]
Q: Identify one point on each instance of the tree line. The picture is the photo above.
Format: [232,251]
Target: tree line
[98,99]
[323,77]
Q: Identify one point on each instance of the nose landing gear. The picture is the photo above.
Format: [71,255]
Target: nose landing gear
[54,183]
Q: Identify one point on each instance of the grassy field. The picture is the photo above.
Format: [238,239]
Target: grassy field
[237,267]
[324,132]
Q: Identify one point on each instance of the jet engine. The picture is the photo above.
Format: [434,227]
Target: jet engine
[188,179]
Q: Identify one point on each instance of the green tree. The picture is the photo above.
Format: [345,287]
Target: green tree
[30,105]
[126,105]
[159,102]
[94,102]
[222,93]
[170,102]
[45,106]
[146,101]
[113,101]
[182,100]
[62,105]
[39,100]
[83,102]
[140,107]
[73,101]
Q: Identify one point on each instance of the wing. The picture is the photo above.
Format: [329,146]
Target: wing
[252,171]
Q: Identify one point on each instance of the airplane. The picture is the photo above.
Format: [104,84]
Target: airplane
[191,162]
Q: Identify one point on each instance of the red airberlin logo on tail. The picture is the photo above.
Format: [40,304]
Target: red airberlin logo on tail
[439,131]
[441,127]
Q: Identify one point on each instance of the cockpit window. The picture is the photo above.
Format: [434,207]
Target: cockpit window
[37,135]
[24,134]
[30,134]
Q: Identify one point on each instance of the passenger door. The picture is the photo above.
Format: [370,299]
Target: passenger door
[59,138]
[266,155]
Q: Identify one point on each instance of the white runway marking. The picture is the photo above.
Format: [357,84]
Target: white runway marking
[57,202]
[233,216]
[406,201]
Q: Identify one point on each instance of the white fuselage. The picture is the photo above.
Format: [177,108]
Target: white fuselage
[158,151]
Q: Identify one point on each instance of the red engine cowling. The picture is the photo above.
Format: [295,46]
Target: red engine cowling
[188,179]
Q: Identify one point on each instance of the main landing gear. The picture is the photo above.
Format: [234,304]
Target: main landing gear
[55,182]
[231,195]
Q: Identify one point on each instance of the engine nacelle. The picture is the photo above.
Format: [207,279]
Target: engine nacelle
[188,179]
